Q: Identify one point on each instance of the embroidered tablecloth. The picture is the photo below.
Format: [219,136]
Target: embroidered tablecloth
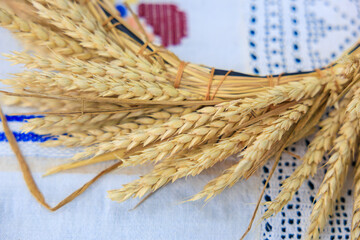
[252,36]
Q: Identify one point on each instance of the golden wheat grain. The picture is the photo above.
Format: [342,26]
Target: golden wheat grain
[76,14]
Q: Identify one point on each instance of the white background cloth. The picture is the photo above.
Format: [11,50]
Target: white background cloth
[265,37]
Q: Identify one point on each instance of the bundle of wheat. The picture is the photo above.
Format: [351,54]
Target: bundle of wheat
[103,86]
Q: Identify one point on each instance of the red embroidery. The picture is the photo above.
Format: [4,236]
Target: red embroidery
[167,20]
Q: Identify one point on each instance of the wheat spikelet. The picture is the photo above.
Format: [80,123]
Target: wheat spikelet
[76,12]
[263,143]
[67,16]
[25,81]
[319,145]
[338,165]
[155,88]
[27,30]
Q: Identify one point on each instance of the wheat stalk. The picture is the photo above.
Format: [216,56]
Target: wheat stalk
[294,91]
[192,163]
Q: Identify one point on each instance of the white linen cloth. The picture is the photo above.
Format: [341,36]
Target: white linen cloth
[252,36]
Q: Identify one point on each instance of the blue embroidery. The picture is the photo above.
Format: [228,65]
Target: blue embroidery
[21,118]
[26,137]
[122,10]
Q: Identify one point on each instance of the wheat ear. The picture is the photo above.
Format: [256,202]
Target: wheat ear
[319,145]
[156,87]
[57,124]
[191,163]
[108,132]
[98,41]
[338,165]
[114,68]
[104,86]
[229,115]
[263,143]
[56,105]
[27,30]
[76,12]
